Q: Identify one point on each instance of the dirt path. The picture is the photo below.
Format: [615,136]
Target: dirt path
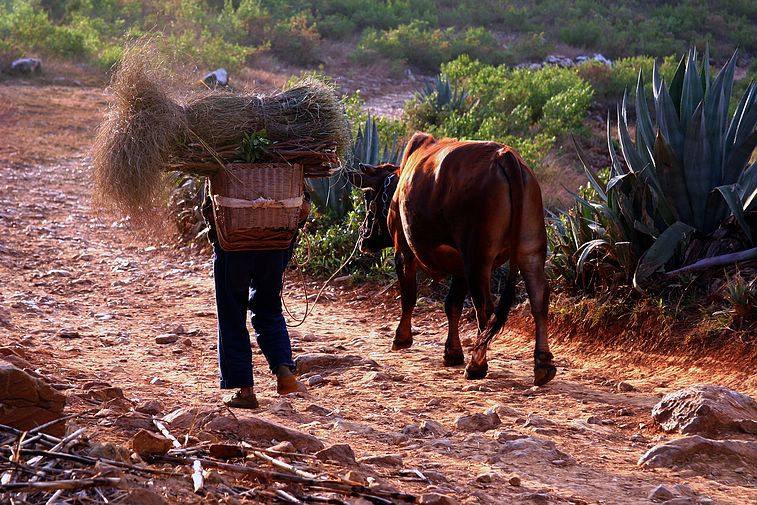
[64,268]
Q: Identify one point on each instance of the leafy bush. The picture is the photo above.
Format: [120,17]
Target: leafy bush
[297,40]
[581,32]
[425,48]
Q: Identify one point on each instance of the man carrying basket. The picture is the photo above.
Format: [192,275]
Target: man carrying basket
[251,279]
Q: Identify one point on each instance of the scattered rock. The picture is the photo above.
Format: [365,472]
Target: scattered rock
[132,421]
[226,451]
[104,394]
[27,402]
[353,426]
[26,66]
[285,446]
[433,428]
[504,411]
[151,407]
[434,476]
[661,493]
[534,421]
[314,361]
[166,338]
[537,448]
[341,453]
[507,435]
[707,410]
[67,333]
[625,387]
[281,407]
[315,380]
[679,500]
[684,490]
[109,451]
[184,418]
[357,477]
[318,410]
[255,428]
[533,497]
[478,422]
[679,450]
[487,477]
[382,460]
[147,443]
[514,481]
[438,499]
[143,497]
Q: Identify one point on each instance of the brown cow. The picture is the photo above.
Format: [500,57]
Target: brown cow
[461,208]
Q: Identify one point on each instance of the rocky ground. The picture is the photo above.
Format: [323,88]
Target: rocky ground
[125,329]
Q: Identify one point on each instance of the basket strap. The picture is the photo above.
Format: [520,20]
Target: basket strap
[259,203]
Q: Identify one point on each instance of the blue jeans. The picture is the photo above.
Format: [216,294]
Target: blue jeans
[250,280]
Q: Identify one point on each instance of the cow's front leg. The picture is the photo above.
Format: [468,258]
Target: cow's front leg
[453,307]
[405,264]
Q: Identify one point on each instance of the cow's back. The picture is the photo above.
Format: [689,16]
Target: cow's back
[452,201]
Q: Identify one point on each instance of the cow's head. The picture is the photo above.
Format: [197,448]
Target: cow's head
[378,183]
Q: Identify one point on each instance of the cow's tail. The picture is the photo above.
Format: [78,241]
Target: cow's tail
[510,164]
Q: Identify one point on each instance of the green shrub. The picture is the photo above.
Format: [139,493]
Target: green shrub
[581,32]
[528,47]
[297,40]
[336,26]
[109,56]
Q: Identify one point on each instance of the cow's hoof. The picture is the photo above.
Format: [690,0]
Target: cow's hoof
[401,344]
[544,370]
[454,359]
[475,373]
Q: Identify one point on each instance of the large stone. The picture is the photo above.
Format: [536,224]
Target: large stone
[341,453]
[26,66]
[706,409]
[431,427]
[256,428]
[27,402]
[680,450]
[185,418]
[438,499]
[382,460]
[661,493]
[478,422]
[317,361]
[147,443]
[538,449]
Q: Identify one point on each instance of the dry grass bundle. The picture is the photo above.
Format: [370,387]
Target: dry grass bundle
[146,133]
[309,109]
[141,131]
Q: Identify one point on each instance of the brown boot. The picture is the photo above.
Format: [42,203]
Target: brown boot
[286,382]
[242,399]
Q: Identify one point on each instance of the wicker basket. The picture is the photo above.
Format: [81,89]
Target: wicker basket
[256,205]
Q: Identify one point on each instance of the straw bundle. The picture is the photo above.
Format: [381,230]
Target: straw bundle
[141,131]
[147,134]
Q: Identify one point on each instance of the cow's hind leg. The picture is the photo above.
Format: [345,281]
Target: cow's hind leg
[478,278]
[453,307]
[405,264]
[532,270]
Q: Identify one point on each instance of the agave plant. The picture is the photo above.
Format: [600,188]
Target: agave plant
[448,97]
[185,203]
[682,175]
[333,193]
